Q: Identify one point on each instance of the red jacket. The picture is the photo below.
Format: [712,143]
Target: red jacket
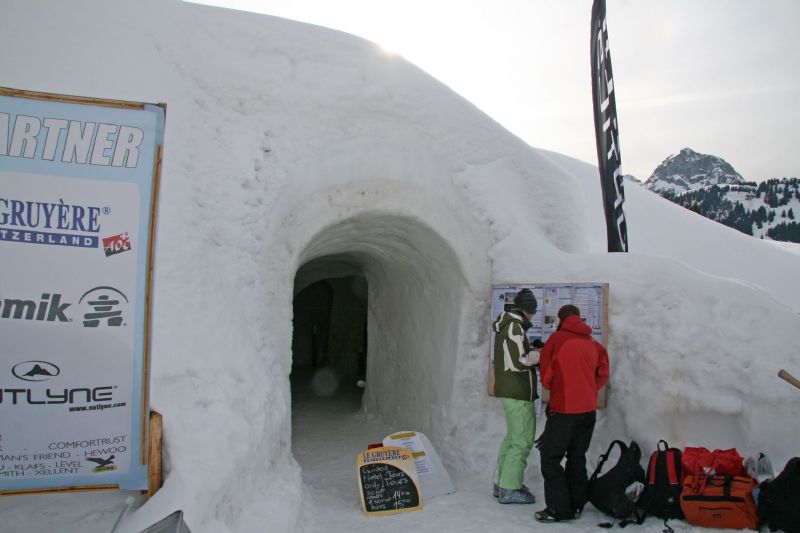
[574,367]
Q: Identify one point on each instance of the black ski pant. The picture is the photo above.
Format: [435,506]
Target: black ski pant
[565,435]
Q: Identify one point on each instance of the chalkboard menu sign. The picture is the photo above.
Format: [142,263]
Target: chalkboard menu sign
[387,479]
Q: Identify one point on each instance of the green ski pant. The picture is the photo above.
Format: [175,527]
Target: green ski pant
[516,447]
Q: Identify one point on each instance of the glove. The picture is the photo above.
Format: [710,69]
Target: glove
[537,343]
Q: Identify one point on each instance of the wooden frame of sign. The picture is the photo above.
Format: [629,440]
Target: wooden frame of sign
[155,477]
[602,395]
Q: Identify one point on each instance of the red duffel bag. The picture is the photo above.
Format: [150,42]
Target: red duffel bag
[701,462]
[720,501]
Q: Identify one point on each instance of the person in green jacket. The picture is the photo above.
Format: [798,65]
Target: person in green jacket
[515,385]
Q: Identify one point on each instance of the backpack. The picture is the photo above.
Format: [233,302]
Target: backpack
[607,491]
[661,496]
[778,499]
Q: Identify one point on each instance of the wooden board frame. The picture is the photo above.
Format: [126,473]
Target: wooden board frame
[155,474]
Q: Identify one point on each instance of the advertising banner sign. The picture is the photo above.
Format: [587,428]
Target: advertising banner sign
[78,189]
[604,103]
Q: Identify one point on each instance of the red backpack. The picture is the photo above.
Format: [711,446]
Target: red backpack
[662,490]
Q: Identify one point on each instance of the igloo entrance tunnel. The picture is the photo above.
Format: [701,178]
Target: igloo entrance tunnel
[399,280]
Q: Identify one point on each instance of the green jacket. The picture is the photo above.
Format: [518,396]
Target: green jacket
[512,378]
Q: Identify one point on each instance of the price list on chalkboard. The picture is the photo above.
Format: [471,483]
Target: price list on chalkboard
[388,481]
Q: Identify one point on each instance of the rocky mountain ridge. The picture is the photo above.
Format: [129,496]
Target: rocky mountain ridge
[689,170]
[711,187]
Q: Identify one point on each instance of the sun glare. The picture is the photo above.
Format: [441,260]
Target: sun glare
[391,42]
[389,50]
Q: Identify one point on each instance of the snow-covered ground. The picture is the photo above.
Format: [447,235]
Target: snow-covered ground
[295,153]
[791,247]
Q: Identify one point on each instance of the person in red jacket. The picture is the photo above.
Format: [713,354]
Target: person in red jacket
[574,368]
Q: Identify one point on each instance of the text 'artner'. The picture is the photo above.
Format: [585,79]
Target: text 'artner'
[70,141]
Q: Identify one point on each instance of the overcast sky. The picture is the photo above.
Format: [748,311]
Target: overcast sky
[719,76]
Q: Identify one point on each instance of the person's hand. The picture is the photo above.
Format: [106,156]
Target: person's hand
[537,344]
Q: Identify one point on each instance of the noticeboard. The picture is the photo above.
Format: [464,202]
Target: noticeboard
[590,298]
[78,192]
[387,481]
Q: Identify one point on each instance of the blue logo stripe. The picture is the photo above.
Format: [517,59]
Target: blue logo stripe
[41,237]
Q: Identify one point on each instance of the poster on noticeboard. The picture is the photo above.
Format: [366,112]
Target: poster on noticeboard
[78,195]
[590,298]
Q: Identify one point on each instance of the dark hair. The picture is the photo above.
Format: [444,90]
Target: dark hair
[568,310]
[565,311]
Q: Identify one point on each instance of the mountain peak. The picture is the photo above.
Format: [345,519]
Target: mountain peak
[689,170]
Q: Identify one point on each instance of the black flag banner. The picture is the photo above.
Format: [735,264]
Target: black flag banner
[606,131]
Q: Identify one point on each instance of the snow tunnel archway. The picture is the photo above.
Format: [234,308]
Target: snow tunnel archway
[409,284]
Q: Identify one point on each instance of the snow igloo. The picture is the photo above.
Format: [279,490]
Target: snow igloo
[331,213]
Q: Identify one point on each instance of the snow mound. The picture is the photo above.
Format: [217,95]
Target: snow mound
[294,154]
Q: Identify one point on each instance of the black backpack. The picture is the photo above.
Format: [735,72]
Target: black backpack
[779,499]
[607,491]
[661,496]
